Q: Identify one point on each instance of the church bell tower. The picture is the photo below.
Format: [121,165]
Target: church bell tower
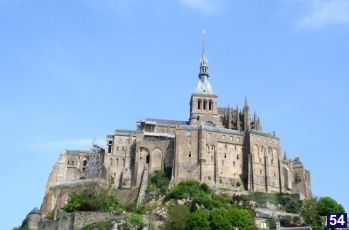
[203,102]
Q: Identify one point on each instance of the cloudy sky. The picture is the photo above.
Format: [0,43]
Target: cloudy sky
[74,71]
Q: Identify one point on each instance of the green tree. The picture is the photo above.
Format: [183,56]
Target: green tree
[327,204]
[310,213]
[177,217]
[291,205]
[219,218]
[240,218]
[198,220]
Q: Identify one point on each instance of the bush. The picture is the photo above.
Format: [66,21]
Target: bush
[158,183]
[198,220]
[240,218]
[188,189]
[86,207]
[92,200]
[177,217]
[219,218]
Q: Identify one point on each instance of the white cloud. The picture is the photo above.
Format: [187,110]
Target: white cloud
[205,6]
[320,13]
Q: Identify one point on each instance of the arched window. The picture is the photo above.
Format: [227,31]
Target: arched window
[204,107]
[199,104]
[210,105]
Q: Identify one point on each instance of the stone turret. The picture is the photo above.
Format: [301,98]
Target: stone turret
[246,116]
[33,219]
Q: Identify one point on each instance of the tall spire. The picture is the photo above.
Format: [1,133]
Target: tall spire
[203,86]
[203,59]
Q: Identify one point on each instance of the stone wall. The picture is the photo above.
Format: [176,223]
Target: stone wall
[71,221]
[85,218]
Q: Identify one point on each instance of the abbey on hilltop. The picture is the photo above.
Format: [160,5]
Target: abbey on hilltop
[224,147]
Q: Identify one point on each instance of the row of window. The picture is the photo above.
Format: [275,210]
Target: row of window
[117,161]
[271,161]
[231,138]
[84,163]
[204,105]
[261,173]
[265,140]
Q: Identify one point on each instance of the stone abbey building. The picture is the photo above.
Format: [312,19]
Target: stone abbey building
[224,147]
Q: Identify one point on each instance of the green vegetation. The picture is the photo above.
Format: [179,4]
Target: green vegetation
[177,217]
[202,209]
[198,220]
[92,200]
[314,208]
[51,215]
[99,225]
[24,225]
[190,189]
[219,219]
[158,184]
[240,218]
[326,205]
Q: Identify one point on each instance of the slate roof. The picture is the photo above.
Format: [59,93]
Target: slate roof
[212,129]
[261,133]
[35,211]
[204,87]
[166,122]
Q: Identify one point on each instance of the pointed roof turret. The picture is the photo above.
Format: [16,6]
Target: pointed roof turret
[285,156]
[204,86]
[203,59]
[246,103]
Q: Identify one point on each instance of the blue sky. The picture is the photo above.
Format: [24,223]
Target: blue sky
[74,71]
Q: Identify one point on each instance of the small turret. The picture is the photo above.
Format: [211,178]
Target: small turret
[285,156]
[33,219]
[246,115]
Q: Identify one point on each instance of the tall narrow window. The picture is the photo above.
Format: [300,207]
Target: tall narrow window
[204,107]
[210,105]
[234,163]
[199,104]
[189,154]
[117,161]
[238,139]
[110,143]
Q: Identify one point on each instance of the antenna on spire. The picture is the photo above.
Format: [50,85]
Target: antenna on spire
[203,60]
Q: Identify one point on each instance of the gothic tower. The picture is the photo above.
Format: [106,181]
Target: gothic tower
[203,102]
